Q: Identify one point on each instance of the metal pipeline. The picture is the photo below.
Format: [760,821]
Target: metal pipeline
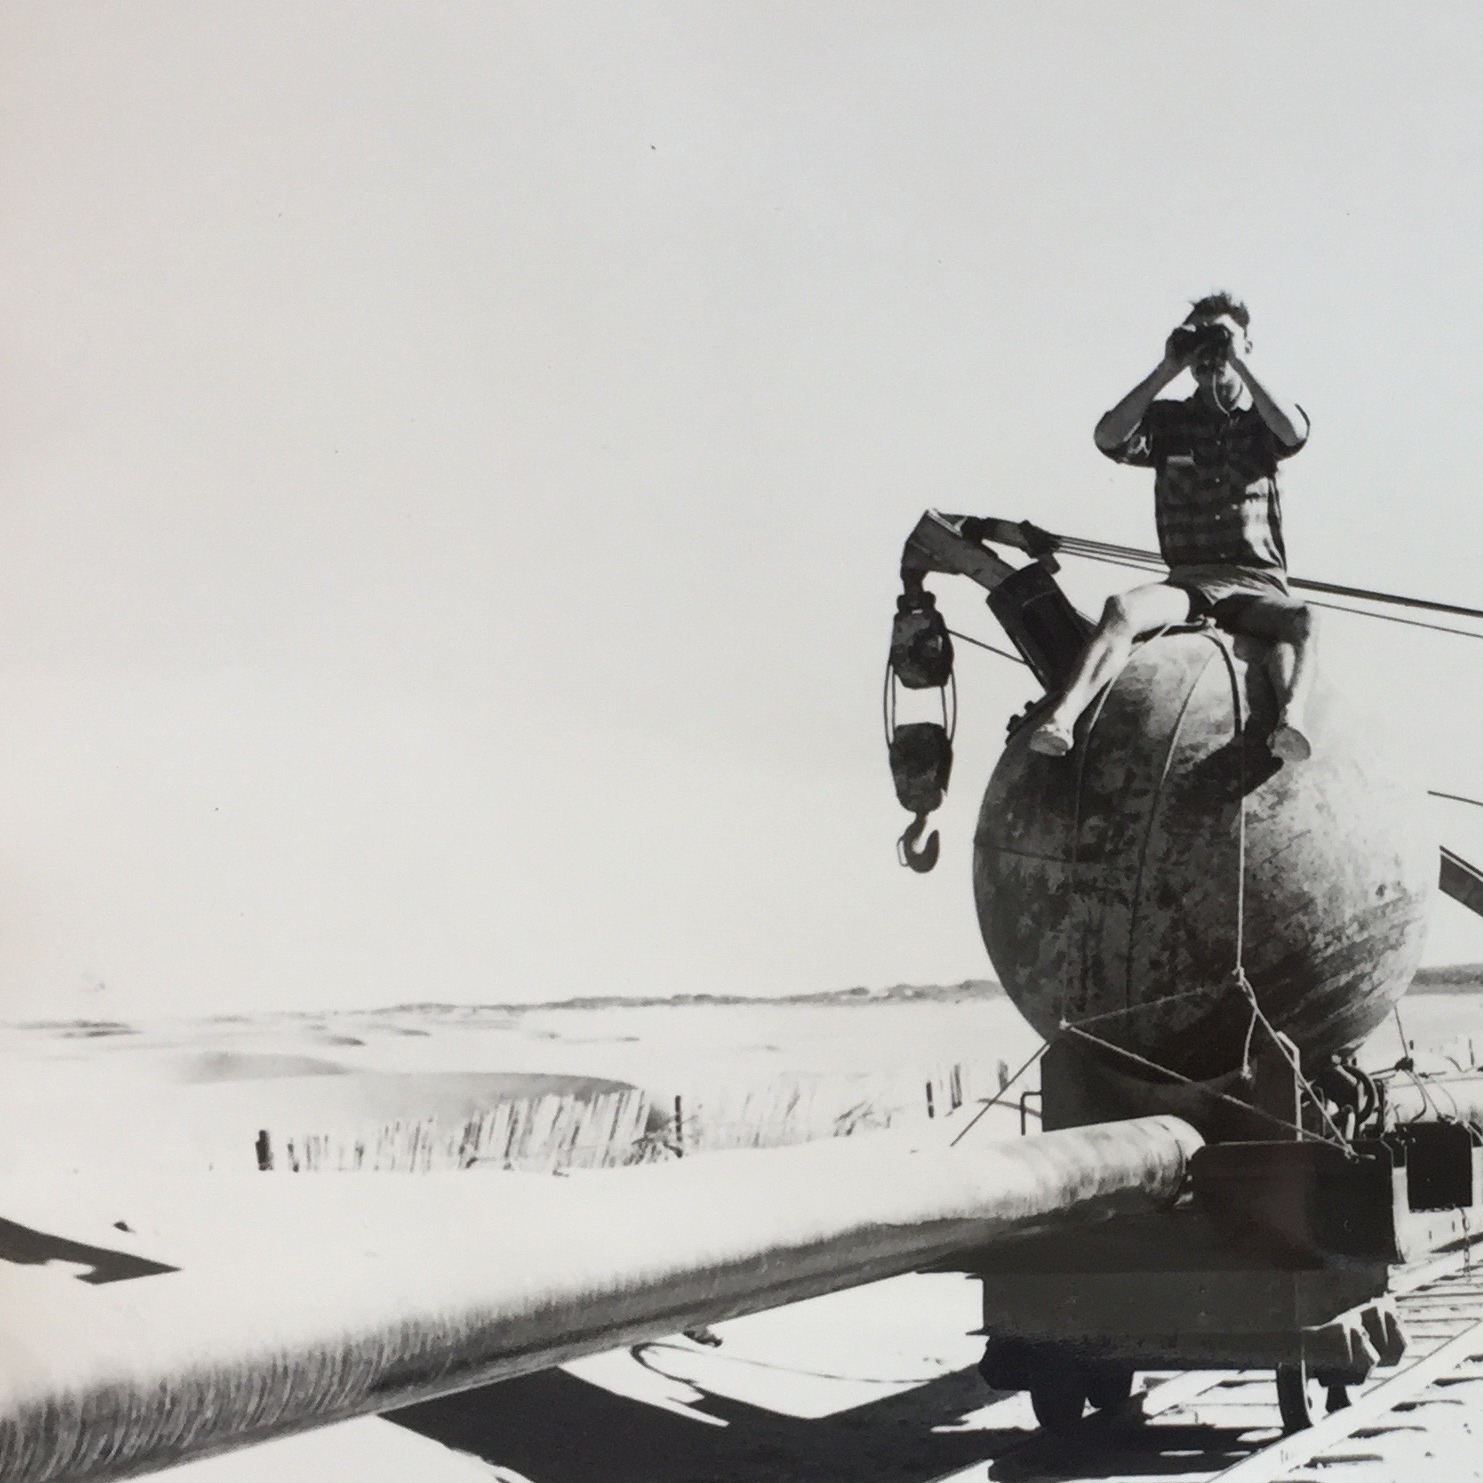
[1457,1096]
[259,1305]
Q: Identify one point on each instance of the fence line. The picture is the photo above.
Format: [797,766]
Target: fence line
[541,1133]
[617,1128]
[788,1110]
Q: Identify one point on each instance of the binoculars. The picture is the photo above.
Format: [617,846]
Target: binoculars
[1192,339]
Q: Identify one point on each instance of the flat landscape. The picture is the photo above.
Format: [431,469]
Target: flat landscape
[184,1095]
[195,1095]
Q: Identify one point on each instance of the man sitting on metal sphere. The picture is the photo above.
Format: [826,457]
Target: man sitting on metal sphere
[1216,504]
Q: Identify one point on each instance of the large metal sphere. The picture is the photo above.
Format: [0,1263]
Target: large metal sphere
[1112,879]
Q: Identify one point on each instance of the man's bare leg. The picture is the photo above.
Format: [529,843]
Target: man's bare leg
[1291,627]
[1124,619]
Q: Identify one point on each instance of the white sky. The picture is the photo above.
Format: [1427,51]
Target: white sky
[456,456]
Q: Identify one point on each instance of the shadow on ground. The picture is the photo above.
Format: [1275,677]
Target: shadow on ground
[1131,1451]
[555,1428]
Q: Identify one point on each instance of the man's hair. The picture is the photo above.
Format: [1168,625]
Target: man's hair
[1213,305]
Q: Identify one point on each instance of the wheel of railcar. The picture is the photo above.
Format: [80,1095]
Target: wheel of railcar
[1006,1364]
[1058,1393]
[1298,1395]
[1109,1385]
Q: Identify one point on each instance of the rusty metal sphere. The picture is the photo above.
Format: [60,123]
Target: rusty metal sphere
[1119,887]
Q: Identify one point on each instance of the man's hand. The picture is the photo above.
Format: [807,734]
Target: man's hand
[1232,339]
[1179,349]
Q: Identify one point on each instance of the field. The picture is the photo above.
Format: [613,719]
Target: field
[592,1081]
[680,1076]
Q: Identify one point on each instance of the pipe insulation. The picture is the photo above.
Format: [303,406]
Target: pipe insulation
[1458,1097]
[147,1324]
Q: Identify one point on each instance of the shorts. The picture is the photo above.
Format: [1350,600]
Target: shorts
[1224,592]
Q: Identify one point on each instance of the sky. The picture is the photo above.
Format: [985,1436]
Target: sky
[454,457]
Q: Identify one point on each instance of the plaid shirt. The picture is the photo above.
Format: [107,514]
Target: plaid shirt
[1215,484]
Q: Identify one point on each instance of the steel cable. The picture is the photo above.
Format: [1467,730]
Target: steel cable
[1146,561]
[1107,550]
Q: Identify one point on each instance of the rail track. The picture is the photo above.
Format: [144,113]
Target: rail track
[1421,1422]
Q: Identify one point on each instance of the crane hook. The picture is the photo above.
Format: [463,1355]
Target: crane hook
[921,860]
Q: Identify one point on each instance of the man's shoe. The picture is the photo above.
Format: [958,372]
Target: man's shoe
[1051,739]
[1289,743]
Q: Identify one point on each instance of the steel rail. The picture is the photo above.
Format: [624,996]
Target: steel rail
[1372,1403]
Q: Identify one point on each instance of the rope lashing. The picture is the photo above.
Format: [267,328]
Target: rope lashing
[1147,1004]
[1246,1107]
